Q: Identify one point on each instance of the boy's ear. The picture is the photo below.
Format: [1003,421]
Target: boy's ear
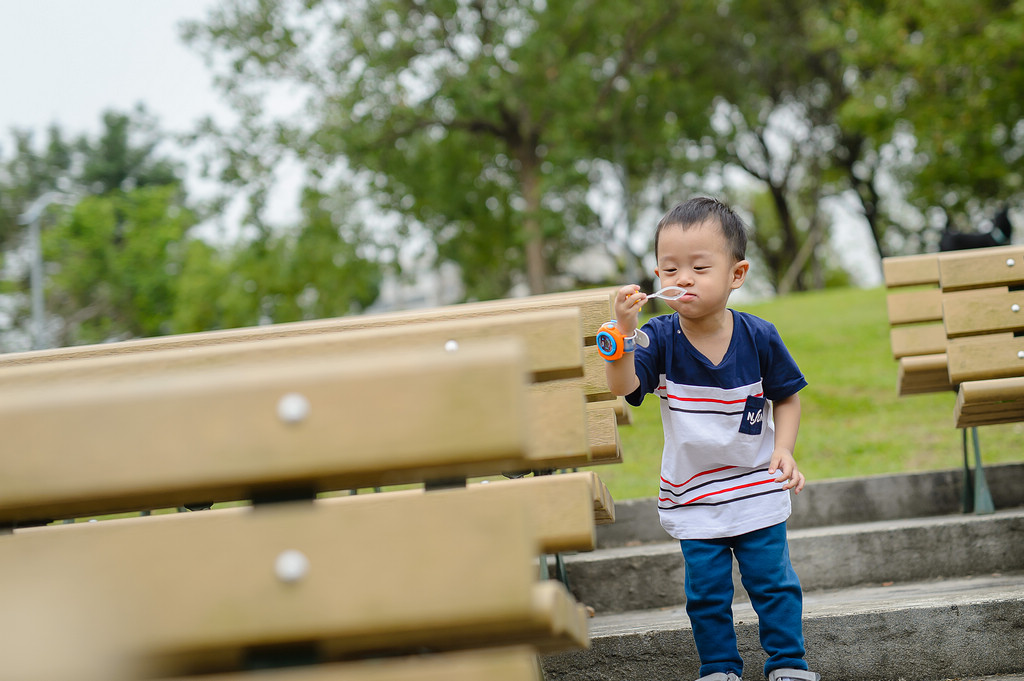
[739,273]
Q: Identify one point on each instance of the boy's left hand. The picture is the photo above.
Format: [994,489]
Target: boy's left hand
[783,466]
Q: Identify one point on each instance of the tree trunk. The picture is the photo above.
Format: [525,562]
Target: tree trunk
[790,242]
[804,256]
[536,265]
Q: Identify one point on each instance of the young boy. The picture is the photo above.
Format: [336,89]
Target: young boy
[727,466]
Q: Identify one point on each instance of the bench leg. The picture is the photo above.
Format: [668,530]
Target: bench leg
[967,488]
[982,496]
[560,571]
[561,574]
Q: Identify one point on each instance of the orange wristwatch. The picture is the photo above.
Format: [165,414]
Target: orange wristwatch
[611,344]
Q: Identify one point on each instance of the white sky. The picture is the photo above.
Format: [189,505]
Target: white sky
[68,61]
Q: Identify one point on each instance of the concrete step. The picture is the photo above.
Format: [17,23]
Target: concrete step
[837,502]
[962,628]
[651,575]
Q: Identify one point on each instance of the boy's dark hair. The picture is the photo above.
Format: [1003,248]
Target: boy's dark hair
[702,209]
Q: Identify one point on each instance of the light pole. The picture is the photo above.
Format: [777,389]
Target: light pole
[32,217]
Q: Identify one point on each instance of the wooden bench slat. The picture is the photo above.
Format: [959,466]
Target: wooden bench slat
[554,500]
[923,374]
[592,383]
[602,428]
[911,270]
[604,505]
[919,339]
[557,430]
[563,508]
[495,664]
[623,412]
[373,420]
[551,340]
[555,622]
[916,334]
[988,402]
[982,268]
[988,312]
[911,307]
[594,308]
[975,416]
[993,390]
[988,356]
[380,577]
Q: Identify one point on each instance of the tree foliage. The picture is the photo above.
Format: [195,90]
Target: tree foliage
[315,270]
[477,122]
[509,136]
[106,257]
[113,264]
[124,260]
[517,132]
[948,77]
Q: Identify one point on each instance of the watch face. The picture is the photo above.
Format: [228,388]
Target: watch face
[605,343]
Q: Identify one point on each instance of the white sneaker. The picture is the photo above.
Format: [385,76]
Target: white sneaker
[720,676]
[793,675]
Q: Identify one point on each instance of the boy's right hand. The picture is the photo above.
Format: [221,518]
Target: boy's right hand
[628,301]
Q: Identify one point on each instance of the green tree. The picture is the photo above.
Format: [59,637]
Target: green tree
[319,268]
[948,77]
[125,262]
[113,264]
[779,89]
[904,106]
[514,133]
[477,122]
[125,156]
[921,124]
[87,273]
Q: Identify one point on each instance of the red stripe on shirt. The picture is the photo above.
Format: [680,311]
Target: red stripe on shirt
[704,399]
[723,491]
[682,484]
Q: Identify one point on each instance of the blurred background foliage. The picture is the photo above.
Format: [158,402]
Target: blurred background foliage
[526,145]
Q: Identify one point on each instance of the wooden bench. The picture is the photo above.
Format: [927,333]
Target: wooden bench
[981,304]
[986,350]
[294,578]
[941,309]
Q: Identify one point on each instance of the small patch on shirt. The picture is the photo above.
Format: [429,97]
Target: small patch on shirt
[753,415]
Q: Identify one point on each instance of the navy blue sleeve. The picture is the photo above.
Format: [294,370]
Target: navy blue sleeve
[781,377]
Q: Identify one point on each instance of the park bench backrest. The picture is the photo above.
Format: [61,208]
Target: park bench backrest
[281,418]
[916,335]
[982,313]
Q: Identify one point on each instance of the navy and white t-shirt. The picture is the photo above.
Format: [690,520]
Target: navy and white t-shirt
[719,435]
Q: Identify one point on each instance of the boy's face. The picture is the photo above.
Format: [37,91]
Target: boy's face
[699,259]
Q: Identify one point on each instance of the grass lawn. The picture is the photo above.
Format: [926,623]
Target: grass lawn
[853,423]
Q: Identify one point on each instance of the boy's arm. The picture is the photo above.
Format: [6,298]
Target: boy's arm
[786,413]
[621,373]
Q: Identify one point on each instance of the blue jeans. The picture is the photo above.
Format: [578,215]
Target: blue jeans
[774,590]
